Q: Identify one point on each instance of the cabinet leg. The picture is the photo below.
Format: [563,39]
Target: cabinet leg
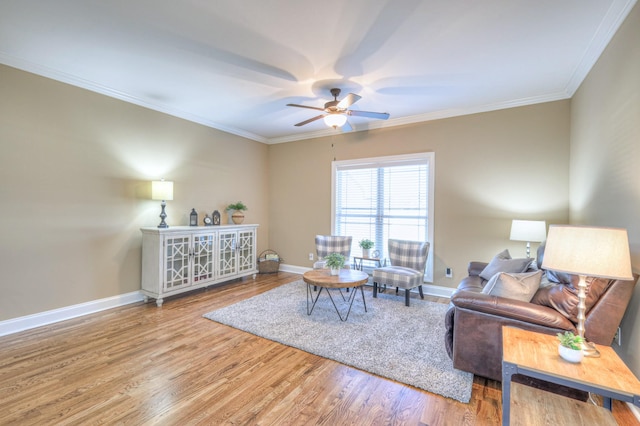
[145,299]
[159,302]
[254,276]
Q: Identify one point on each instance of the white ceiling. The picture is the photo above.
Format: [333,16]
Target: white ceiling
[234,65]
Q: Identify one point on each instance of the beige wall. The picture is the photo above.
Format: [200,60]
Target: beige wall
[605,156]
[75,168]
[490,168]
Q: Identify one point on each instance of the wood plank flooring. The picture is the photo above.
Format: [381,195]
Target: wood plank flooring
[143,365]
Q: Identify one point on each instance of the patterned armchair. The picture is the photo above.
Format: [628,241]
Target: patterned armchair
[408,260]
[326,244]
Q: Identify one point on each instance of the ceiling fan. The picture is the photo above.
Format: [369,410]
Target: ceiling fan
[335,112]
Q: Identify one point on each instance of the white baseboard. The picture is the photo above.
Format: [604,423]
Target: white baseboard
[438,291]
[293,269]
[27,322]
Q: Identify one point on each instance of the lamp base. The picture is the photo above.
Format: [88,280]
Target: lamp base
[589,349]
[163,216]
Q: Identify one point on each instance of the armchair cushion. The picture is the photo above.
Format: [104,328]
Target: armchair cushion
[398,276]
[502,262]
[514,286]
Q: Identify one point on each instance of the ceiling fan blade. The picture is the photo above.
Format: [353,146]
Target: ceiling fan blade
[380,115]
[346,127]
[304,106]
[302,123]
[349,100]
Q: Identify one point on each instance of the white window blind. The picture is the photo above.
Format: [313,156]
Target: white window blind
[385,197]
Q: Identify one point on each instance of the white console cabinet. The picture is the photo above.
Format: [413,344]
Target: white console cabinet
[184,258]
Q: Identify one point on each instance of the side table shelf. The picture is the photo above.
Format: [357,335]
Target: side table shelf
[357,262]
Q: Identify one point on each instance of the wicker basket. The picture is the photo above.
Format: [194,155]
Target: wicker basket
[268,262]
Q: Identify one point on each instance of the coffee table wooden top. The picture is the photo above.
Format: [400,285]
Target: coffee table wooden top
[346,278]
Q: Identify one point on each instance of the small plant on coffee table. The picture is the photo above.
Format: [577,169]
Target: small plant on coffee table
[335,260]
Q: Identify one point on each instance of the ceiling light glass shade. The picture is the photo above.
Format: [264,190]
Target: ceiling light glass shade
[161,190]
[528,230]
[335,120]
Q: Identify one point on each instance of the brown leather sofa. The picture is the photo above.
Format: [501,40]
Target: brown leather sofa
[474,320]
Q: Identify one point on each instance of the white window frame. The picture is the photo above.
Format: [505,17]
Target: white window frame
[428,157]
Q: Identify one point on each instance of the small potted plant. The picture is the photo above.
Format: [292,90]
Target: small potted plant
[366,245]
[570,347]
[335,262]
[237,208]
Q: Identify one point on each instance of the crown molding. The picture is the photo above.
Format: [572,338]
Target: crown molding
[63,77]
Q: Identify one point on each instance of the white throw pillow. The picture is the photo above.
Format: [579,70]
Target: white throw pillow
[514,286]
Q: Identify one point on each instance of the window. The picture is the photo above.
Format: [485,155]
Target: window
[385,197]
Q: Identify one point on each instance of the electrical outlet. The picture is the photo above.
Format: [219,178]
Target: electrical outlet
[310,256]
[618,337]
[448,273]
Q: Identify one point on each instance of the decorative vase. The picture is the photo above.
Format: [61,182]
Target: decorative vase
[366,252]
[334,271]
[571,355]
[237,217]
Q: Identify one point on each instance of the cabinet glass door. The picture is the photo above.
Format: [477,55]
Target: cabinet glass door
[203,263]
[246,258]
[227,256]
[176,267]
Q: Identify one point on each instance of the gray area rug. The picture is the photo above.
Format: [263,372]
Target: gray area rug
[390,340]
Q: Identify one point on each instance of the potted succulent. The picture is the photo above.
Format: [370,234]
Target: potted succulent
[237,208]
[335,262]
[570,347]
[366,245]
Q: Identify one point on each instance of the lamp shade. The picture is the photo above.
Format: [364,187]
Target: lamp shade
[335,120]
[161,190]
[589,251]
[528,230]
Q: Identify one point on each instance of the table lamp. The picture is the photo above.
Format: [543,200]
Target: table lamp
[528,230]
[588,252]
[162,190]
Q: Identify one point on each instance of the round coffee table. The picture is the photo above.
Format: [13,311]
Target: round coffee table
[347,278]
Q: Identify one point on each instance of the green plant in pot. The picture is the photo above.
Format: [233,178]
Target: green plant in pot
[335,262]
[366,245]
[237,208]
[570,347]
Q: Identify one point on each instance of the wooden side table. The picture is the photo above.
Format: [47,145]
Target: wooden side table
[536,355]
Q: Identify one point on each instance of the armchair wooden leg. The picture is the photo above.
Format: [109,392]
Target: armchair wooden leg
[375,289]
[406,297]
[421,293]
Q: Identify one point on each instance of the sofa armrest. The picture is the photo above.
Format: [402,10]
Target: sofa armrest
[475,268]
[511,308]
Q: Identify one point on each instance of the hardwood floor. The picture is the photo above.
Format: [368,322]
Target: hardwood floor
[143,365]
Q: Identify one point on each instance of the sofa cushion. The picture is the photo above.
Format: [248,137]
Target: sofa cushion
[564,297]
[521,286]
[502,262]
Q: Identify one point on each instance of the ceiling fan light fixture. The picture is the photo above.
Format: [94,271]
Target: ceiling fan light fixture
[335,120]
